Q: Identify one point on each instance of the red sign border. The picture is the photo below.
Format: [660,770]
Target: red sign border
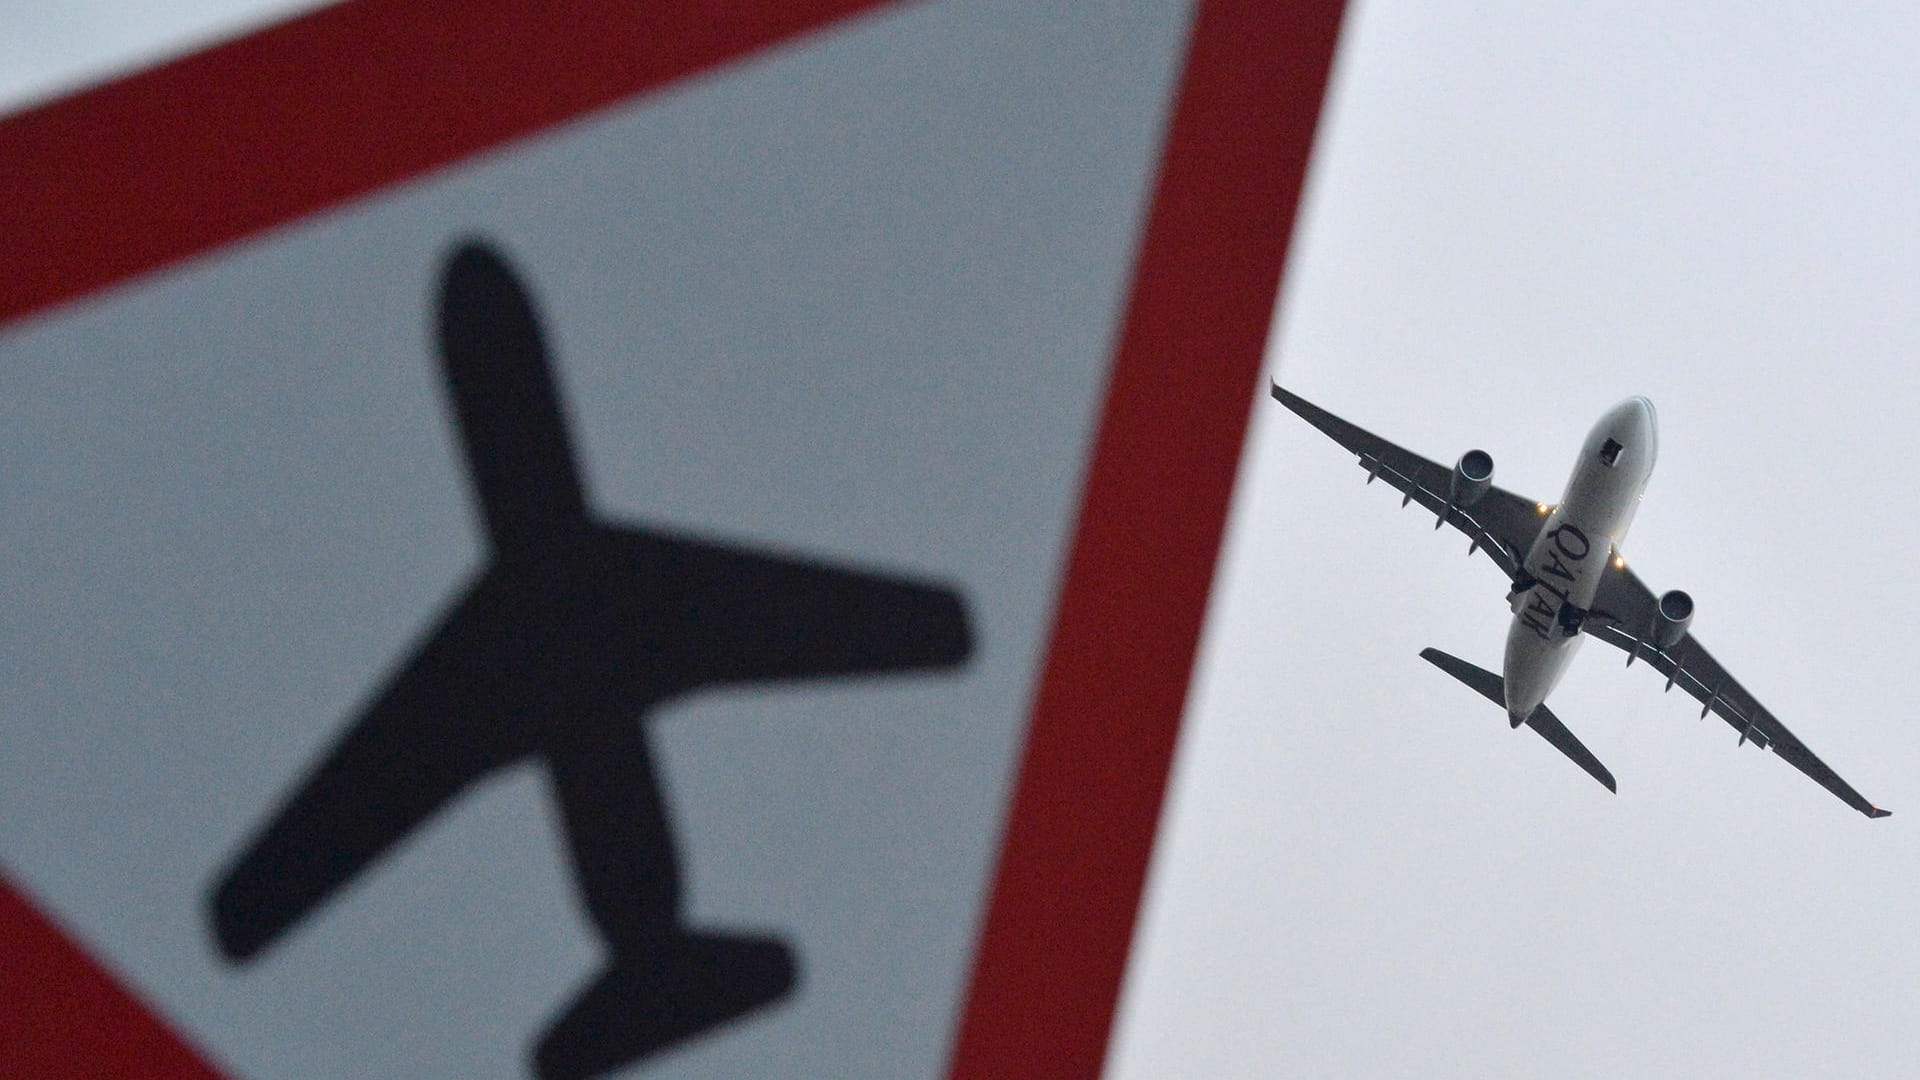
[1087,805]
[160,167]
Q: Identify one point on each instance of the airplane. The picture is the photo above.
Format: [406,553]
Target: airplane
[560,645]
[1568,578]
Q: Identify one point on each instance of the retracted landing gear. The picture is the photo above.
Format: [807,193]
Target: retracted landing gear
[1569,620]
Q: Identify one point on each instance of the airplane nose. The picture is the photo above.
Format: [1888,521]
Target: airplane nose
[1647,423]
[1634,420]
[1645,426]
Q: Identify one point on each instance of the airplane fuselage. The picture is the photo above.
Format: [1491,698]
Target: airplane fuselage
[1556,559]
[1576,539]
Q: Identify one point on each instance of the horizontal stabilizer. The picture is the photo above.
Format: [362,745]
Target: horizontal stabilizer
[1486,682]
[1541,720]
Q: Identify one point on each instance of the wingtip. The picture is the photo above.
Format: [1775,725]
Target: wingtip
[1876,812]
[237,939]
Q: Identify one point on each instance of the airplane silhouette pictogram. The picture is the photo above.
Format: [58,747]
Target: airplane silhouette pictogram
[570,634]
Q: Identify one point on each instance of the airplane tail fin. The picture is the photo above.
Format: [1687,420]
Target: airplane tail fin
[641,1005]
[1541,719]
[510,420]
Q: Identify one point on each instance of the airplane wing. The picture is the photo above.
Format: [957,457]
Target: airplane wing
[734,613]
[1500,523]
[1625,610]
[439,724]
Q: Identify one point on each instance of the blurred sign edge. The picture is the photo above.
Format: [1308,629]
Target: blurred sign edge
[63,1015]
[1086,807]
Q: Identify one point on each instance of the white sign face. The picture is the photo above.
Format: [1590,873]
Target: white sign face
[844,309]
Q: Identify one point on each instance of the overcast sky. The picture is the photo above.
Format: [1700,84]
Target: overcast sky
[1519,215]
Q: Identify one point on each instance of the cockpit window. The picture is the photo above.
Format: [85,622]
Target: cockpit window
[1610,453]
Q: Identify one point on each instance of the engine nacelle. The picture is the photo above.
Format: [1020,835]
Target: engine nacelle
[1472,476]
[1670,618]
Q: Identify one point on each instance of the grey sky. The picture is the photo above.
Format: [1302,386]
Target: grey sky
[1519,214]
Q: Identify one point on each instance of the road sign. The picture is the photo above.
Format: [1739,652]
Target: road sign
[628,538]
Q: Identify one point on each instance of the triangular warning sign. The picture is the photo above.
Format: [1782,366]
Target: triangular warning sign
[643,539]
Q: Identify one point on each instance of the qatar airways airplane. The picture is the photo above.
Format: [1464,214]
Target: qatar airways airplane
[1568,578]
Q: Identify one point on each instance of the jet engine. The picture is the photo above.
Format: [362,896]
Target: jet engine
[1670,618]
[1472,476]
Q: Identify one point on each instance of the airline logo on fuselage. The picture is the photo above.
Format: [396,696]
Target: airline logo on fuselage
[1559,568]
